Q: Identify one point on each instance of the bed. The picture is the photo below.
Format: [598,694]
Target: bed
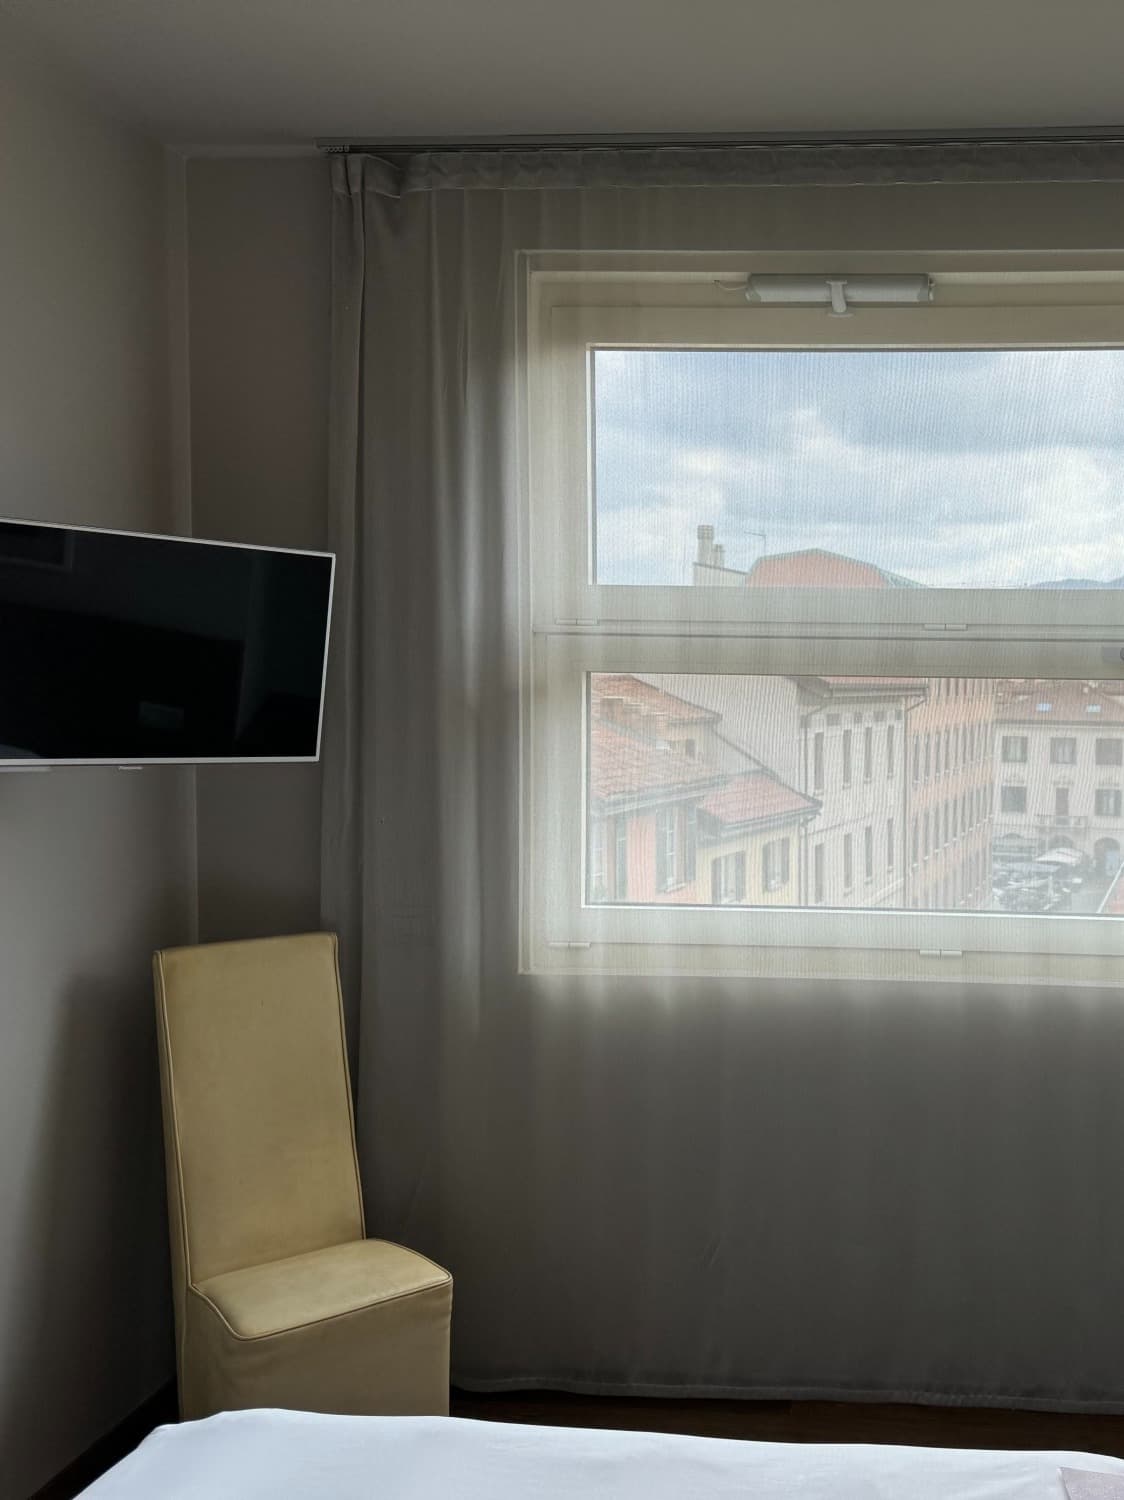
[266,1455]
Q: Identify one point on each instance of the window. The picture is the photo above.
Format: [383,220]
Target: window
[667,848]
[1063,752]
[684,540]
[690,842]
[1012,799]
[1110,752]
[775,865]
[1107,802]
[620,859]
[727,879]
[1061,802]
[598,881]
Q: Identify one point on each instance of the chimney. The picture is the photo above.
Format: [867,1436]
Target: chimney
[707,549]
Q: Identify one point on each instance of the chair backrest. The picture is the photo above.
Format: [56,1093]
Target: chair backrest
[258,1126]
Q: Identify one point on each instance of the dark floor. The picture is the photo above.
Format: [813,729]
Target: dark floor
[769,1421]
[807,1421]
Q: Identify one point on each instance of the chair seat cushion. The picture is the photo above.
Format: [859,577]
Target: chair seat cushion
[322,1284]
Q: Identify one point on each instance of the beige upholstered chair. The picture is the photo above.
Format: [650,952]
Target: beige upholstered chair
[279,1299]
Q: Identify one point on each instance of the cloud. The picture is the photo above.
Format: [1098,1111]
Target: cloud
[980,469]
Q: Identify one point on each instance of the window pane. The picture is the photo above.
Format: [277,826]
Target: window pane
[719,790]
[859,468]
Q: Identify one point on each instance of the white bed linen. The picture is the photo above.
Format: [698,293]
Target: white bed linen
[275,1455]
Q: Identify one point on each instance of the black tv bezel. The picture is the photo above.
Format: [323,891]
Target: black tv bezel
[132,763]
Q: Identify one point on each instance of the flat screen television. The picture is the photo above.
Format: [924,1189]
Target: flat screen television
[128,650]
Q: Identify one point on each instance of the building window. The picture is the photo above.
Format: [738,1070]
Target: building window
[1061,802]
[928,756]
[848,863]
[914,843]
[889,750]
[889,843]
[598,875]
[817,761]
[917,760]
[620,859]
[775,864]
[667,848]
[727,879]
[1107,802]
[1110,752]
[1063,752]
[1013,748]
[846,757]
[868,852]
[868,754]
[1012,799]
[926,846]
[818,875]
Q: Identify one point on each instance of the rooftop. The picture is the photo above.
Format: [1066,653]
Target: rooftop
[625,764]
[755,797]
[1068,703]
[648,698]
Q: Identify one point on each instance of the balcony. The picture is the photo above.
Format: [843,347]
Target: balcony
[1053,821]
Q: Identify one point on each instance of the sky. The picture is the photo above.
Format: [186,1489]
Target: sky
[978,469]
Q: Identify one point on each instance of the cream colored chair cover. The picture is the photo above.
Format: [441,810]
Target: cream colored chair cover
[280,1300]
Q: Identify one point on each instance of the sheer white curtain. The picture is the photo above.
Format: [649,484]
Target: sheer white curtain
[646,1184]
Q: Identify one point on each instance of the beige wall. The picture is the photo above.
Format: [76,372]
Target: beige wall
[94,865]
[258,288]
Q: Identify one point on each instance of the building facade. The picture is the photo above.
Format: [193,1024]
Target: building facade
[1059,770]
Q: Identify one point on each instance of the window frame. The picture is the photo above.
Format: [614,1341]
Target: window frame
[576,626]
[564,589]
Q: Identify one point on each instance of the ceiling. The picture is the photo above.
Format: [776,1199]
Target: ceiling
[281,72]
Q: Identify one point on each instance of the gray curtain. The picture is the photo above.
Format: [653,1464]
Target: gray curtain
[643,1185]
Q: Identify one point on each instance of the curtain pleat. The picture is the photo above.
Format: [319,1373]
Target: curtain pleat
[700,1186]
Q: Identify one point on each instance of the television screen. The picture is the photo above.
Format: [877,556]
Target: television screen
[122,649]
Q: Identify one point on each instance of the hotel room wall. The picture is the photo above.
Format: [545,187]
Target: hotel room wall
[257,290]
[95,866]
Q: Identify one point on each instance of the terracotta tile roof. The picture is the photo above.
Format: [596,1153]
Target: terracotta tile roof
[1057,703]
[753,797]
[818,568]
[649,698]
[623,764]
